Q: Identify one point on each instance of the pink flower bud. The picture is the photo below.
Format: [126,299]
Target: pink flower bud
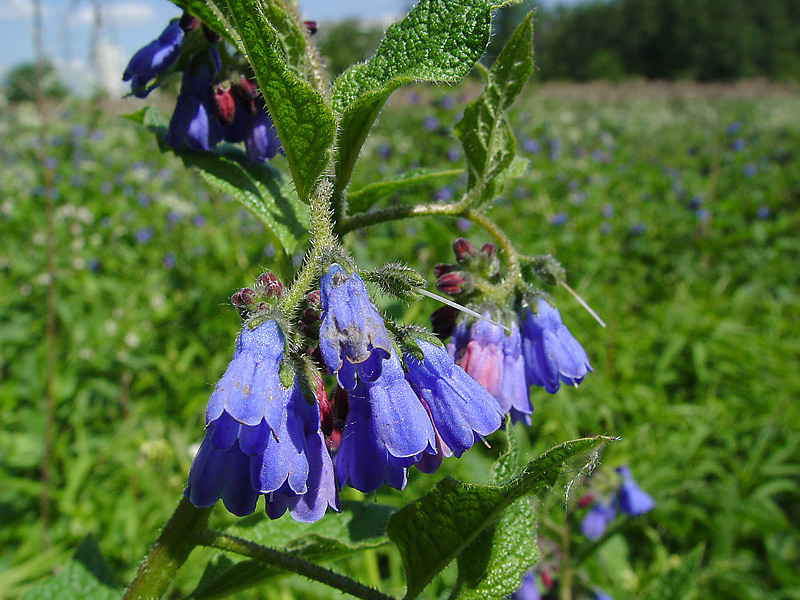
[311,26]
[451,283]
[463,249]
[223,101]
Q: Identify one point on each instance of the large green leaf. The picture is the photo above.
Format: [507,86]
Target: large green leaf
[258,186]
[85,577]
[492,566]
[484,131]
[439,40]
[436,528]
[366,197]
[360,526]
[304,123]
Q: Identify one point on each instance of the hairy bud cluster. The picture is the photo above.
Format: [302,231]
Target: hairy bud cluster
[262,296]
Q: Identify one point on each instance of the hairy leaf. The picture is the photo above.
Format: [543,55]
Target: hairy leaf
[439,40]
[258,186]
[436,528]
[360,526]
[209,13]
[492,566]
[484,131]
[304,123]
[366,197]
[86,577]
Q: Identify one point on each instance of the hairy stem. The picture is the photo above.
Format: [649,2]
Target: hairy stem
[292,563]
[178,538]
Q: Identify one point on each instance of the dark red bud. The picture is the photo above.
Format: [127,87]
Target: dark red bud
[585,500]
[340,404]
[443,321]
[489,250]
[334,440]
[262,306]
[247,92]
[325,408]
[442,268]
[547,578]
[211,36]
[188,22]
[313,299]
[243,298]
[463,249]
[223,101]
[311,26]
[309,317]
[270,284]
[451,283]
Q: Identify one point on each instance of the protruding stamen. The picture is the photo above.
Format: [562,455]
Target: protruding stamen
[458,306]
[582,302]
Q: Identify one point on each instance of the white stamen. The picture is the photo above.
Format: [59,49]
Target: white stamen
[458,306]
[582,302]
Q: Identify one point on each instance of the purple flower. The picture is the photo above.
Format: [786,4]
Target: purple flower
[479,350]
[169,261]
[601,595]
[262,438]
[531,146]
[446,102]
[631,499]
[144,235]
[513,396]
[261,140]
[552,354]
[703,214]
[461,409]
[762,212]
[194,120]
[387,430]
[733,128]
[596,521]
[443,194]
[430,124]
[527,589]
[199,220]
[749,171]
[558,219]
[152,60]
[738,144]
[352,337]
[453,154]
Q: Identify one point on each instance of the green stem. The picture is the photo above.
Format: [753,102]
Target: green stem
[289,562]
[458,209]
[178,538]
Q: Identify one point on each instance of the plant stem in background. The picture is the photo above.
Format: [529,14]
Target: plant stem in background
[295,564]
[177,540]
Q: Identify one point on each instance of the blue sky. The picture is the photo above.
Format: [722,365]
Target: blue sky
[128,25]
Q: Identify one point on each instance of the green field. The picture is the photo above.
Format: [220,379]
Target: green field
[674,208]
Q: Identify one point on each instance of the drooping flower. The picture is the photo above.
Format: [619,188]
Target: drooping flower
[352,337]
[631,499]
[513,396]
[194,120]
[153,59]
[479,350]
[596,521]
[387,431]
[552,354]
[461,409]
[262,438]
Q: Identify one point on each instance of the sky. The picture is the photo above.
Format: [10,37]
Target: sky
[127,26]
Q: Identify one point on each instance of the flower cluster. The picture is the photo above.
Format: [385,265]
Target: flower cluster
[217,100]
[399,401]
[506,351]
[628,498]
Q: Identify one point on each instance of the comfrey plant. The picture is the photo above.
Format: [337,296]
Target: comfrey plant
[322,390]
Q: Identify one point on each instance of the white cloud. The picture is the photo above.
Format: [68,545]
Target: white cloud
[16,9]
[127,13]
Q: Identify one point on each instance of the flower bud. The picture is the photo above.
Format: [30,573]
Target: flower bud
[247,92]
[463,249]
[223,101]
[332,442]
[270,284]
[442,268]
[489,250]
[311,26]
[443,321]
[313,299]
[547,578]
[585,500]
[452,283]
[188,23]
[243,298]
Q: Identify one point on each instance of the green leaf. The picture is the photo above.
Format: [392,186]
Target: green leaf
[439,40]
[360,526]
[258,186]
[304,123]
[85,577]
[366,197]
[677,583]
[436,528]
[492,566]
[484,131]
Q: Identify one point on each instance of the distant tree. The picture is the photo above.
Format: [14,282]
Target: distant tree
[346,42]
[21,82]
